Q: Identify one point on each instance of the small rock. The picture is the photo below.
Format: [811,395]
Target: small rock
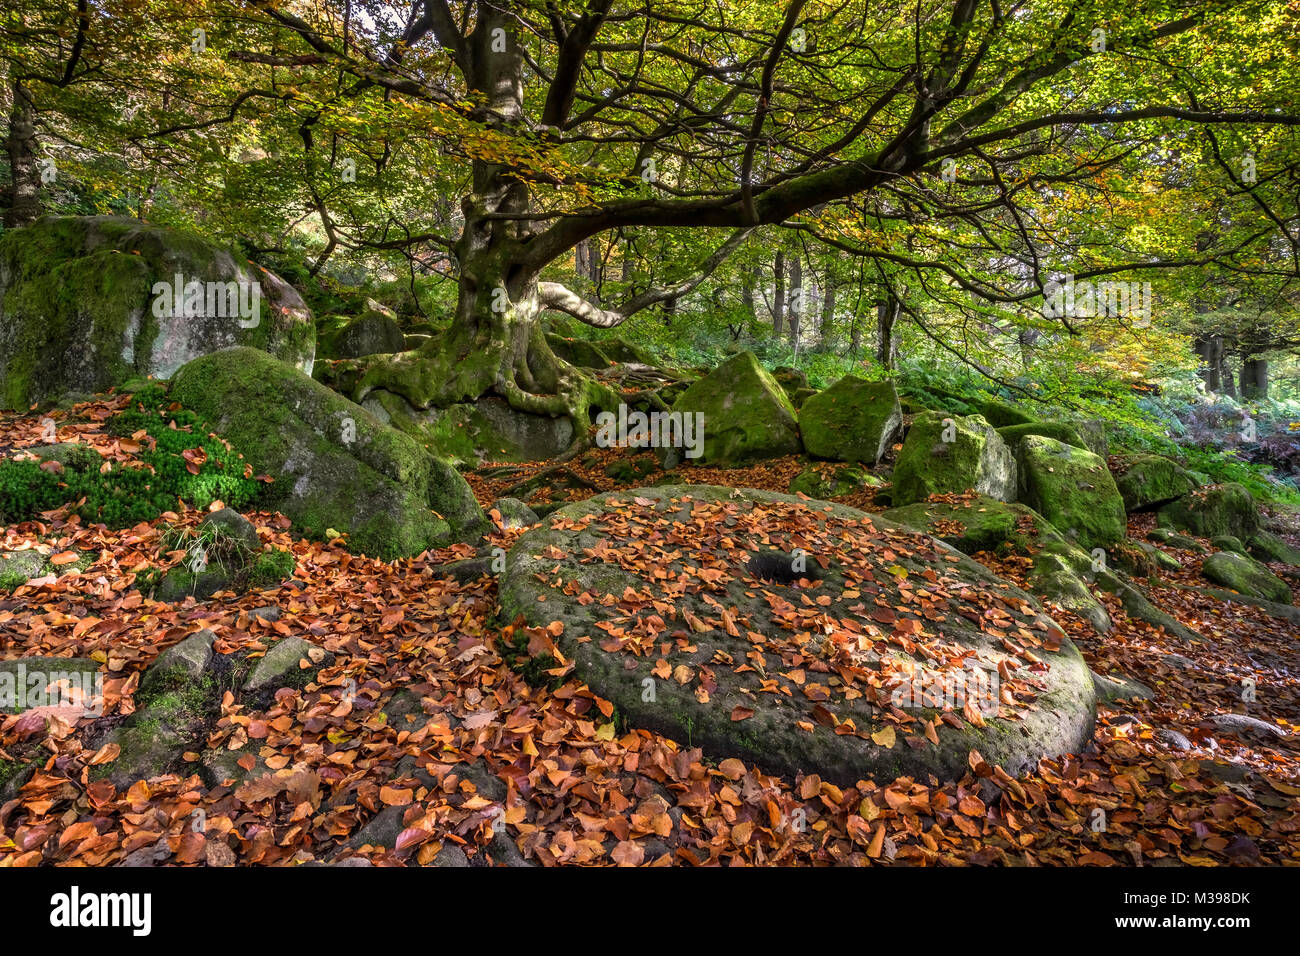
[1240,724]
[450,856]
[180,662]
[1172,738]
[152,855]
[280,667]
[1227,771]
[504,852]
[232,524]
[270,614]
[514,513]
[383,829]
[1119,687]
[216,767]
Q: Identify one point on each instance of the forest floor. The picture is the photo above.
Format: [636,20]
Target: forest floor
[554,765]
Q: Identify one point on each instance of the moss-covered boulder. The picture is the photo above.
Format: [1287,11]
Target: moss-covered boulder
[1266,546]
[579,352]
[371,333]
[823,481]
[747,415]
[817,602]
[1149,481]
[1219,509]
[470,433]
[335,465]
[1245,576]
[90,302]
[1171,538]
[617,350]
[1095,434]
[290,662]
[1058,430]
[852,420]
[1228,542]
[977,523]
[1073,489]
[1000,414]
[949,454]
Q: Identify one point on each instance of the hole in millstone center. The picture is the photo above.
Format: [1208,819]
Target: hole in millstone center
[783,567]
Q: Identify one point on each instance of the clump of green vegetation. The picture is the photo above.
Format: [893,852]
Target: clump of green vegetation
[179,461]
[11,579]
[227,561]
[270,568]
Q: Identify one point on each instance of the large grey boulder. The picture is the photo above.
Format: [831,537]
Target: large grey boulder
[949,454]
[89,302]
[336,467]
[746,414]
[821,592]
[852,420]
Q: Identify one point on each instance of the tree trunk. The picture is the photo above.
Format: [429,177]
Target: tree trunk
[827,327]
[796,300]
[778,295]
[1210,350]
[747,291]
[495,343]
[886,340]
[1254,378]
[25,186]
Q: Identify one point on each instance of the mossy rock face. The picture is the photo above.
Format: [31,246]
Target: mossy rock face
[739,578]
[1227,542]
[801,395]
[19,567]
[372,333]
[1058,430]
[184,581]
[179,664]
[1095,434]
[950,454]
[1173,539]
[80,311]
[1150,481]
[281,666]
[1266,546]
[1073,489]
[469,433]
[334,464]
[1245,576]
[852,420]
[747,415]
[1000,414]
[579,352]
[1059,576]
[1219,509]
[824,482]
[617,350]
[979,523]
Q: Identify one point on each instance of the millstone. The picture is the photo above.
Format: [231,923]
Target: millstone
[801,635]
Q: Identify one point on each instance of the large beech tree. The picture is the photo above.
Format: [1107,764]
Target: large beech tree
[971,150]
